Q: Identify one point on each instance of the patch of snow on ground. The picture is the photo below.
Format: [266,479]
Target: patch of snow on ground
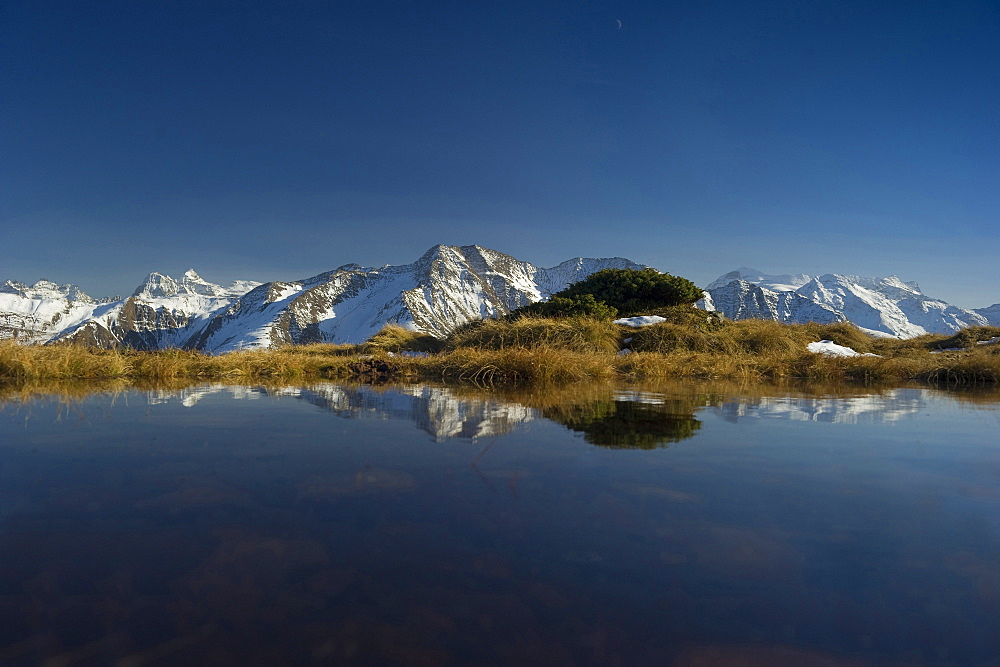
[991,341]
[831,349]
[641,321]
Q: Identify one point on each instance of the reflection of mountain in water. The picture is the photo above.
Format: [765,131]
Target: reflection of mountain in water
[629,420]
[616,419]
[436,410]
[882,408]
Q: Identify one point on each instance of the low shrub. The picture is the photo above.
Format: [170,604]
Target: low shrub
[632,292]
[580,305]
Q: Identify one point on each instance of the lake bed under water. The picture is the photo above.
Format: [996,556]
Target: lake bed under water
[681,524]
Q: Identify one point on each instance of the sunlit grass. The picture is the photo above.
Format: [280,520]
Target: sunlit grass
[545,351]
[574,334]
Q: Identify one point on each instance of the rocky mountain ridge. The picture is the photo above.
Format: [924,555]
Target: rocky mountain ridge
[881,306]
[444,288]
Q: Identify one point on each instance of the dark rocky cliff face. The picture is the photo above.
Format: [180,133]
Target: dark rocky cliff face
[137,325]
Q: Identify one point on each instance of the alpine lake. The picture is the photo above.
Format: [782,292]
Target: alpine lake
[684,523]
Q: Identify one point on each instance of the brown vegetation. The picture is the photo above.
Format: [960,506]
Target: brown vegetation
[547,351]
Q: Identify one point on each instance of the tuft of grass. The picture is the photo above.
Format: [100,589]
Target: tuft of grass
[516,366]
[690,317]
[753,337]
[841,333]
[966,338]
[668,337]
[766,337]
[394,338]
[577,334]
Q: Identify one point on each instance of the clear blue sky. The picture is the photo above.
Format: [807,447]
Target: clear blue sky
[276,140]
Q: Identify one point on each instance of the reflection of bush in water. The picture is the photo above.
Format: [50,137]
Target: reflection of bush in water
[628,424]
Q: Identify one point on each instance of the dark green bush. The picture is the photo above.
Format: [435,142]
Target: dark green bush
[631,292]
[583,305]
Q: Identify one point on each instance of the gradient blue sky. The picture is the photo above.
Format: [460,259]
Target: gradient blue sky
[276,140]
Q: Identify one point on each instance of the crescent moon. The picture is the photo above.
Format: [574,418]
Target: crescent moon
[619,23]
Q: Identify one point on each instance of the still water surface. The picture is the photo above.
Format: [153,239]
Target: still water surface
[425,525]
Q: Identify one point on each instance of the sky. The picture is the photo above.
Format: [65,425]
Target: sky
[277,140]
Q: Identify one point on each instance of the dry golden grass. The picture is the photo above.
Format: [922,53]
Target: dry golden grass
[515,366]
[33,363]
[394,338]
[545,352]
[566,333]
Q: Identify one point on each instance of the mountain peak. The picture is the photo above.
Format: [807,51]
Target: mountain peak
[774,282]
[157,285]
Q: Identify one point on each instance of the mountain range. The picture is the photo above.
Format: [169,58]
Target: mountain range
[446,287]
[880,306]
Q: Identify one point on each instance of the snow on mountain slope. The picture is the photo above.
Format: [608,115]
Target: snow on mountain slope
[741,300]
[882,306]
[162,312]
[991,313]
[33,314]
[446,287]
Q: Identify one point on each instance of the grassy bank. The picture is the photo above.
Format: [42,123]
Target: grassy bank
[32,363]
[544,351]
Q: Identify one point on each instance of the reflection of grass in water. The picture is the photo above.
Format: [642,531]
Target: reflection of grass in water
[573,403]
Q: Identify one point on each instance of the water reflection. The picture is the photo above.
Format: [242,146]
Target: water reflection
[440,411]
[606,416]
[886,407]
[631,420]
[256,525]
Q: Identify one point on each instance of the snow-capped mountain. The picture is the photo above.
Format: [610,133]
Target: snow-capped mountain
[991,313]
[162,312]
[882,306]
[448,286]
[36,313]
[445,288]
